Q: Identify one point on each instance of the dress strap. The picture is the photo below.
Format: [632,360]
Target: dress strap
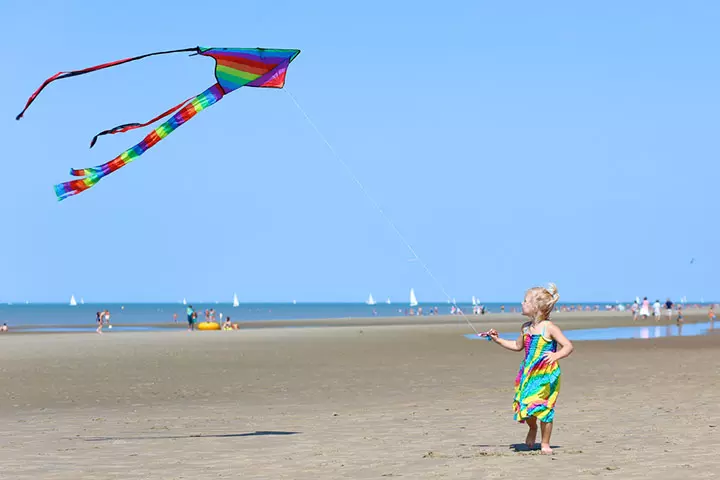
[544,330]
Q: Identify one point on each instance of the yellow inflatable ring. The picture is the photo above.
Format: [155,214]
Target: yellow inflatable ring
[208,326]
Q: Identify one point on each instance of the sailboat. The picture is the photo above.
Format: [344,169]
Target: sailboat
[474,300]
[413,300]
[184,302]
[82,301]
[235,301]
[388,301]
[370,300]
[73,303]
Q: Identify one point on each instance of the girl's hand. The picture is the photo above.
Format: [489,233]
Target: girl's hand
[493,334]
[550,357]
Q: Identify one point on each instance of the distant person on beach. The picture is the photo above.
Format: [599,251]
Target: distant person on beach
[99,320]
[669,308]
[537,384]
[191,315]
[635,307]
[107,318]
[680,318]
[656,310]
[711,313]
[4,328]
[645,309]
[175,317]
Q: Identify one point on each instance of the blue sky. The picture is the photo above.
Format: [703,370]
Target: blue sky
[512,143]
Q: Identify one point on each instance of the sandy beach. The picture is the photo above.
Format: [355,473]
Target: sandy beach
[366,401]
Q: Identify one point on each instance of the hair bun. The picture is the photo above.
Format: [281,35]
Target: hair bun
[553,291]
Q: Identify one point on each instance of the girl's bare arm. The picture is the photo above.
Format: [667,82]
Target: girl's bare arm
[566,346]
[514,345]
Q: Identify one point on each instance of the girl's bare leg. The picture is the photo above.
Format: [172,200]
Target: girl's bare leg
[546,430]
[532,432]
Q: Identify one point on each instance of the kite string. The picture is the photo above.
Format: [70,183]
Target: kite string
[379,209]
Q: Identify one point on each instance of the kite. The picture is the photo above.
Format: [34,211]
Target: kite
[234,68]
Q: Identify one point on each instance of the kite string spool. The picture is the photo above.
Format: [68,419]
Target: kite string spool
[379,208]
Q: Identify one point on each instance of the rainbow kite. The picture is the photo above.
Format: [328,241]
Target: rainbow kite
[234,68]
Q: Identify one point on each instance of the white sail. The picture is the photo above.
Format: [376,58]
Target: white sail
[235,301]
[184,302]
[370,300]
[413,299]
[388,301]
[82,301]
[73,303]
[294,302]
[474,300]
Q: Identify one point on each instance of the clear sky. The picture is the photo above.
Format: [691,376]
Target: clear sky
[513,143]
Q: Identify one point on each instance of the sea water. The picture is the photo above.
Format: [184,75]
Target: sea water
[624,333]
[157,313]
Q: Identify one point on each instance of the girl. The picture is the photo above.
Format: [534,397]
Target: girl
[538,382]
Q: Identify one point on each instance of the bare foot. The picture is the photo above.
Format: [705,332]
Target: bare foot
[531,437]
[545,449]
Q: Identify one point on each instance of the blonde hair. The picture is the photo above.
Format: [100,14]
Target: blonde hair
[545,300]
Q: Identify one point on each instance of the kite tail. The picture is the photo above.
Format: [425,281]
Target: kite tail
[74,73]
[133,126]
[95,174]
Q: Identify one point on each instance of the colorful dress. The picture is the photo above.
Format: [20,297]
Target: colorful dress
[538,382]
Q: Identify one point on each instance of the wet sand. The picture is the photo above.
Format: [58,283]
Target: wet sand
[363,402]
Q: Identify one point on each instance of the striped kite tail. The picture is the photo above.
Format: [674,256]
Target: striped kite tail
[95,174]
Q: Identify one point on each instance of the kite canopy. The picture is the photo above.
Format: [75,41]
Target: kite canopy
[234,68]
[250,67]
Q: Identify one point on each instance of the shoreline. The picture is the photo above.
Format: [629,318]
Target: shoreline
[503,322]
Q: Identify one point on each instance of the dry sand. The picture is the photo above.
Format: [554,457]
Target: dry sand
[414,401]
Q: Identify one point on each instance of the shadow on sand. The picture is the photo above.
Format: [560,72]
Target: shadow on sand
[518,447]
[260,433]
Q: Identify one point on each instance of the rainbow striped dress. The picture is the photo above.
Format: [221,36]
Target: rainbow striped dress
[537,383]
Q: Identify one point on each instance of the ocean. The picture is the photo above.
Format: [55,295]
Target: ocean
[35,314]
